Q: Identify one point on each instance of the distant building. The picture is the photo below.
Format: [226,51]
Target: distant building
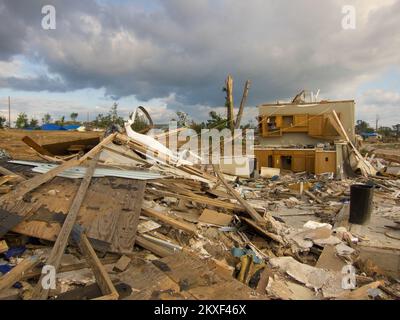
[299,135]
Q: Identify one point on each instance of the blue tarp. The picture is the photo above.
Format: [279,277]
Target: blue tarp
[369,134]
[51,127]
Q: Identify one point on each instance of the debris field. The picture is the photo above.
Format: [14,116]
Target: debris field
[112,223]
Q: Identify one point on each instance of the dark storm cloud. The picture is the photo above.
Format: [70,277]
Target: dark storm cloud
[188,47]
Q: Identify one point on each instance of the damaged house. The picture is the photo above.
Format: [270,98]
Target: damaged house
[302,136]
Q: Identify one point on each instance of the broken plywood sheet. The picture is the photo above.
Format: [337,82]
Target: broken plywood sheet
[288,290]
[150,283]
[110,219]
[204,279]
[215,218]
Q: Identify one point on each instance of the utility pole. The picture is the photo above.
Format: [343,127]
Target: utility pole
[376,123]
[9,112]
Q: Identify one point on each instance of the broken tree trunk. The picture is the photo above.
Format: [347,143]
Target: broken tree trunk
[242,104]
[229,101]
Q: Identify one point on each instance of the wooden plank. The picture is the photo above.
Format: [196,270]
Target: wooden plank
[7,172]
[54,258]
[3,246]
[250,210]
[31,184]
[16,274]
[15,197]
[122,264]
[6,179]
[102,278]
[153,247]
[263,232]
[203,200]
[70,267]
[181,225]
[215,218]
[125,233]
[185,268]
[38,148]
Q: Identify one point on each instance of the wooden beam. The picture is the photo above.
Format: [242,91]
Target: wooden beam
[189,228]
[54,258]
[37,147]
[202,199]
[263,232]
[267,220]
[250,210]
[16,274]
[7,172]
[242,104]
[70,267]
[102,278]
[153,247]
[31,184]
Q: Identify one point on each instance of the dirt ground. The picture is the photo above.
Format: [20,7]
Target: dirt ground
[11,140]
[386,148]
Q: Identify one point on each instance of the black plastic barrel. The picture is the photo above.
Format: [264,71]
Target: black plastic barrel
[361,196]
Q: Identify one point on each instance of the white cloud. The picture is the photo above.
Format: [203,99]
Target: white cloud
[381,103]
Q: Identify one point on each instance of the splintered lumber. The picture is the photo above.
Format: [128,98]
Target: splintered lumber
[6,172]
[102,278]
[250,210]
[16,274]
[15,197]
[6,179]
[242,104]
[189,228]
[70,267]
[215,218]
[202,200]
[31,184]
[267,220]
[54,258]
[153,247]
[366,168]
[308,193]
[263,232]
[3,246]
[122,264]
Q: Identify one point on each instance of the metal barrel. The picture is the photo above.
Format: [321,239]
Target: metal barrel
[361,196]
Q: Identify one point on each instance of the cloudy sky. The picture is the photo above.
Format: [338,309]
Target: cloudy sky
[170,55]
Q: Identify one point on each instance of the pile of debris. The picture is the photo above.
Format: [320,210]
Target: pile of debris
[130,219]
